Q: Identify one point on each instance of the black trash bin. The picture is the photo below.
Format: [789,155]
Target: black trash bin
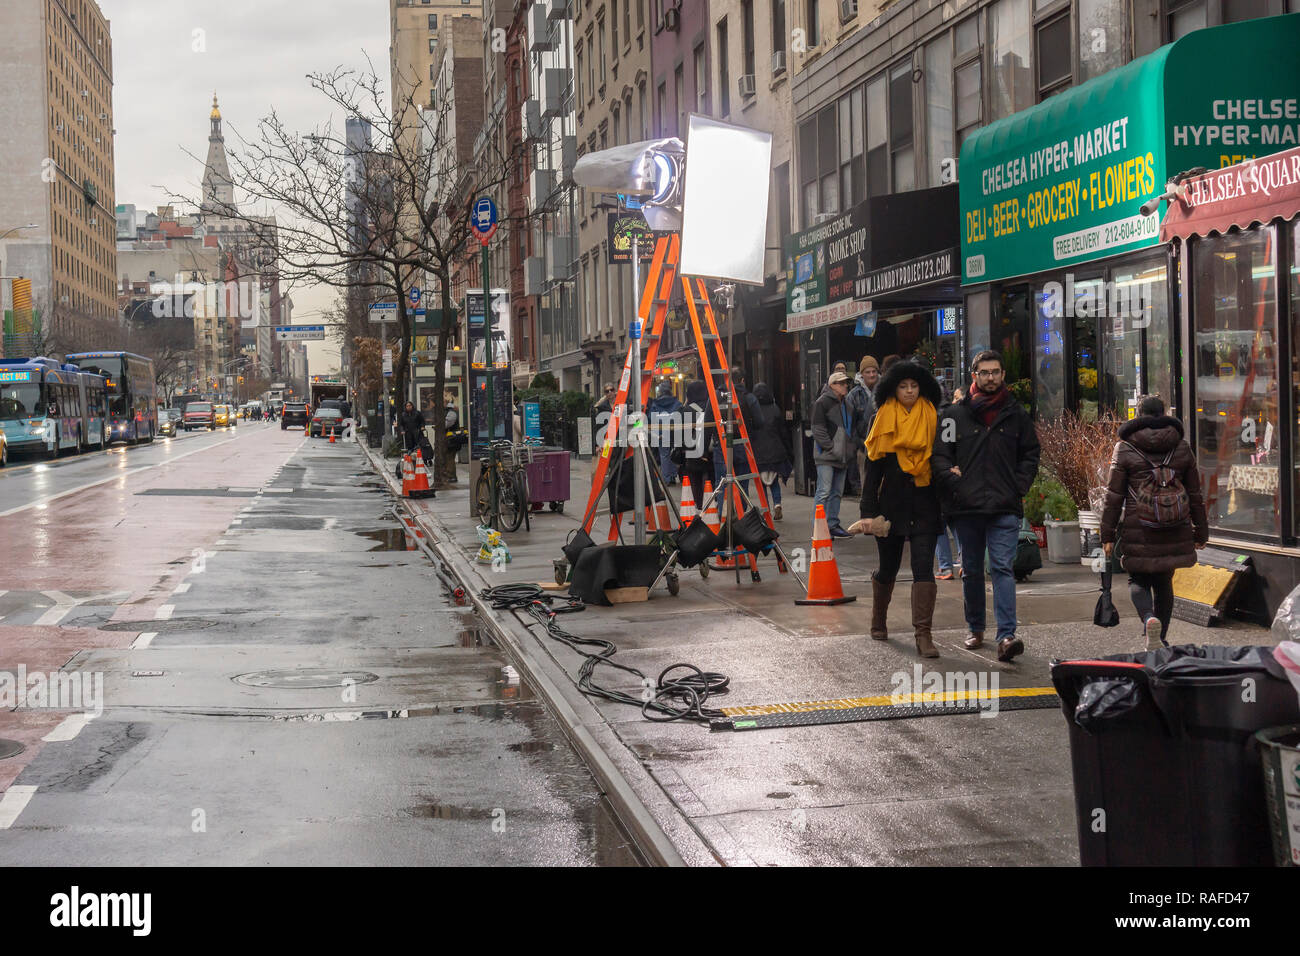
[1165,767]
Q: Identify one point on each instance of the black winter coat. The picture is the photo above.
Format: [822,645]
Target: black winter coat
[411,424]
[998,463]
[887,489]
[1153,550]
[769,434]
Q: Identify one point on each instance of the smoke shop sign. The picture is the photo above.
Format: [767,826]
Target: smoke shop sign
[822,266]
[1064,182]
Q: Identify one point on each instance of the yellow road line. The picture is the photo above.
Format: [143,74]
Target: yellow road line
[884,700]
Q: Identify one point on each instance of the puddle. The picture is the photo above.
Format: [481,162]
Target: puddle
[532,747]
[389,539]
[442,811]
[474,637]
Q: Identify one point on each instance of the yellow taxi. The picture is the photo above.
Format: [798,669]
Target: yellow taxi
[221,417]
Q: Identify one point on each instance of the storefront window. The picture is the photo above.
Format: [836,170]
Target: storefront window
[1234,297]
[1086,372]
[1140,297]
[1048,355]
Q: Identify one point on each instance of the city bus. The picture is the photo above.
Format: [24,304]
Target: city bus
[132,394]
[46,407]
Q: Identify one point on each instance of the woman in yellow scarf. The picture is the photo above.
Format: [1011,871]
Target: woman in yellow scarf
[899,501]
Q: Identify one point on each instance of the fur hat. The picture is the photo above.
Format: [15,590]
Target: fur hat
[901,370]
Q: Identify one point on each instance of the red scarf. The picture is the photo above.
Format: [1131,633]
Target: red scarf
[986,407]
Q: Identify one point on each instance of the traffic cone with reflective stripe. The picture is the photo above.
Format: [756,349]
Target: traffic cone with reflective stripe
[687,509]
[419,478]
[711,512]
[407,475]
[823,573]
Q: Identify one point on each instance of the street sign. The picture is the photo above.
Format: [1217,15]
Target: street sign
[383,312]
[483,219]
[414,296]
[388,361]
[300,333]
[532,419]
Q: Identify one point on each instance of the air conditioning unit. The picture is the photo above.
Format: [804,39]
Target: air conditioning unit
[848,9]
[568,157]
[534,275]
[530,119]
[539,30]
[559,265]
[541,185]
[822,217]
[778,62]
[557,10]
[553,85]
[672,19]
[745,84]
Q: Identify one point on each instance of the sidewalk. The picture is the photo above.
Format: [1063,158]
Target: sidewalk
[938,790]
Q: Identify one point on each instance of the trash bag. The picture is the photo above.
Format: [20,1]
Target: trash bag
[1286,623]
[1103,700]
[1288,655]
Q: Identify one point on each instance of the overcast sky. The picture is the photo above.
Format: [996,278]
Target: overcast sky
[255,54]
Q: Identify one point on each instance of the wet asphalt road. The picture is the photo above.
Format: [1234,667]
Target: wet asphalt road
[283,681]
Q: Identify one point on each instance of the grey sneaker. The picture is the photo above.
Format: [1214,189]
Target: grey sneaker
[1154,631]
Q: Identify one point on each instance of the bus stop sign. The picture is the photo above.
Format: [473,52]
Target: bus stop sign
[483,219]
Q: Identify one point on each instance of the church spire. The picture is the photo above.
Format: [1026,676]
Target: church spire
[218,190]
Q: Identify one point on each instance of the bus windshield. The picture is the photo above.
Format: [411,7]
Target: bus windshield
[20,401]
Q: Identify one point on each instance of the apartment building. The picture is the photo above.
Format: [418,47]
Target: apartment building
[414,28]
[57,209]
[612,106]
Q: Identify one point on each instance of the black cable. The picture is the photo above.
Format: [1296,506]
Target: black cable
[679,698]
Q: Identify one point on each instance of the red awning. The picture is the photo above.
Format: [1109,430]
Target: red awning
[1256,191]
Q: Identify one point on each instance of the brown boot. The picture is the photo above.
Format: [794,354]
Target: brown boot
[923,597]
[881,592]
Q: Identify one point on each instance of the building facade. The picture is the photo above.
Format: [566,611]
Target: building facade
[57,208]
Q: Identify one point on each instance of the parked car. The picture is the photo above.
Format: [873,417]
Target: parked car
[198,415]
[295,414]
[326,421]
[168,419]
[4,450]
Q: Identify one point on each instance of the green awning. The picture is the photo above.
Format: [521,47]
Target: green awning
[1062,183]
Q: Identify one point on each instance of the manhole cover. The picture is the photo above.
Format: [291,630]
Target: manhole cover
[10,748]
[306,678]
[160,627]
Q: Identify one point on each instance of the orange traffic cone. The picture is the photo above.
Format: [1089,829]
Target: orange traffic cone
[711,512]
[407,475]
[823,573]
[419,479]
[331,436]
[687,509]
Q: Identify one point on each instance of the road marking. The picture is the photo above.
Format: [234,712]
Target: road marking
[41,502]
[244,490]
[164,612]
[63,606]
[236,520]
[144,640]
[278,491]
[69,729]
[182,587]
[13,803]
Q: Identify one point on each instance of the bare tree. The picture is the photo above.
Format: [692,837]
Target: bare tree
[369,222]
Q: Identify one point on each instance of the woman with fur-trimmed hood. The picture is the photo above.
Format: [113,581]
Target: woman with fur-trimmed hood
[899,502]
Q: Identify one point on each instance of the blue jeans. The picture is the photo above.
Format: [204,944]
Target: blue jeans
[774,492]
[944,550]
[830,487]
[999,534]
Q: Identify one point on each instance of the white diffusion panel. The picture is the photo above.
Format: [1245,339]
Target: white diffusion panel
[724,209]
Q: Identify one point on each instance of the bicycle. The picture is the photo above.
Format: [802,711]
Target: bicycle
[501,492]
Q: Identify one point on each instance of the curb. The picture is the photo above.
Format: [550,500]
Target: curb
[616,770]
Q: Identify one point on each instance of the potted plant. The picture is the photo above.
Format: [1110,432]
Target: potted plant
[1077,453]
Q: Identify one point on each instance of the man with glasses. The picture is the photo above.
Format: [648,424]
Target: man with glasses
[985,458]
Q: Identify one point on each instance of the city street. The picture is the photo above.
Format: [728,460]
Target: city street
[284,679]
